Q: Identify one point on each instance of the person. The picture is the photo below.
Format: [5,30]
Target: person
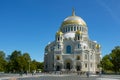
[87,73]
[32,73]
[100,73]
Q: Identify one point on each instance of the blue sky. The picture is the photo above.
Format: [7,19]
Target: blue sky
[29,25]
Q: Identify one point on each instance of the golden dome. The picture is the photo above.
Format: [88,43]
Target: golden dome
[78,32]
[59,33]
[73,20]
[97,46]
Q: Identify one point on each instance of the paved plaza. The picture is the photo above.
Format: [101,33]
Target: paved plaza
[60,77]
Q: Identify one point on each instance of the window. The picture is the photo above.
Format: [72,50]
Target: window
[77,28]
[68,29]
[68,49]
[58,38]
[74,28]
[71,28]
[80,28]
[84,47]
[85,65]
[58,58]
[59,46]
[78,37]
[78,57]
[65,29]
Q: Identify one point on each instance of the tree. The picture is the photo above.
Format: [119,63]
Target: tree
[27,61]
[3,62]
[115,58]
[40,66]
[35,65]
[106,63]
[112,61]
[18,62]
[15,62]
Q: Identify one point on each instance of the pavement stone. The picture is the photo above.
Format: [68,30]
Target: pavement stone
[62,77]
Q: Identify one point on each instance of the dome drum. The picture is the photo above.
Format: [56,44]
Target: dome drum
[73,23]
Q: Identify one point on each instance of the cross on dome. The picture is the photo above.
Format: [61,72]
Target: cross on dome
[73,12]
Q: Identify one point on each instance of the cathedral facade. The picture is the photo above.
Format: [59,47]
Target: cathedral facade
[72,50]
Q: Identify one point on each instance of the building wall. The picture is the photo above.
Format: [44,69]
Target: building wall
[89,58]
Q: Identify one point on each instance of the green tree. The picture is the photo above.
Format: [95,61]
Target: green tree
[112,61]
[15,61]
[106,63]
[35,65]
[40,65]
[115,59]
[3,62]
[18,62]
[27,61]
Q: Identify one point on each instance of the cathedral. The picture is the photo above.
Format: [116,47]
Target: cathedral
[72,50]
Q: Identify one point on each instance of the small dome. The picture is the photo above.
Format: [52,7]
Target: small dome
[97,46]
[78,32]
[59,33]
[73,20]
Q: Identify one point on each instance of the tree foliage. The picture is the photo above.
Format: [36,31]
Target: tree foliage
[115,58]
[2,61]
[18,62]
[106,63]
[112,61]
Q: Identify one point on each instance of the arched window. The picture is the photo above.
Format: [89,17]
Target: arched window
[59,46]
[71,28]
[58,58]
[78,57]
[85,65]
[58,38]
[68,49]
[80,28]
[68,29]
[78,37]
[65,29]
[74,28]
[77,28]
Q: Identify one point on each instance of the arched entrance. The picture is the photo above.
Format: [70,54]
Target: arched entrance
[57,68]
[78,68]
[68,66]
